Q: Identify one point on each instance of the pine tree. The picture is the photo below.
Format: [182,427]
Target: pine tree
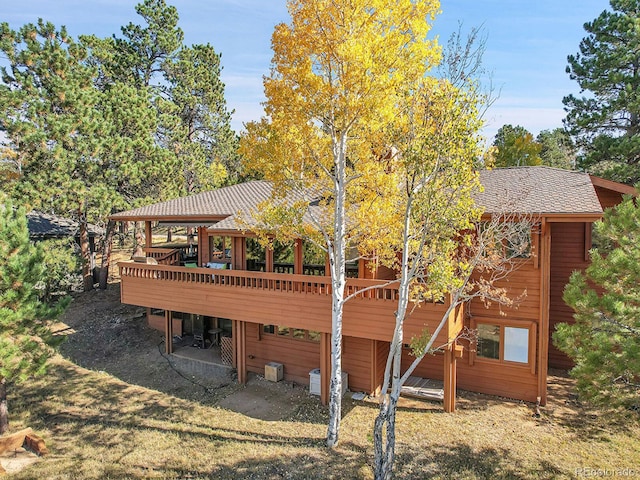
[606,121]
[557,148]
[604,342]
[201,137]
[25,338]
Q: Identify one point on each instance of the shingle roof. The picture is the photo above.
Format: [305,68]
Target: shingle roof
[528,190]
[212,205]
[540,190]
[45,225]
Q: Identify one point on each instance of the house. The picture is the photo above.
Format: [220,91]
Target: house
[45,226]
[275,305]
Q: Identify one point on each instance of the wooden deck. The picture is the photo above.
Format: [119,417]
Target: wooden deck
[425,388]
[296,301]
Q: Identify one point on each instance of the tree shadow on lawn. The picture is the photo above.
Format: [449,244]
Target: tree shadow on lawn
[461,461]
[93,421]
[565,408]
[70,393]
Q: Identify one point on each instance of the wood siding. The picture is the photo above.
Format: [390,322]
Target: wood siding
[523,285]
[567,255]
[381,355]
[496,378]
[157,322]
[356,361]
[298,357]
[504,378]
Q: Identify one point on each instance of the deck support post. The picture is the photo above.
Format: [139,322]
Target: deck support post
[325,367]
[168,331]
[450,377]
[240,335]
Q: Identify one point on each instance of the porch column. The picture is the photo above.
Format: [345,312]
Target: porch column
[148,239]
[239,253]
[241,350]
[544,254]
[168,332]
[298,257]
[325,367]
[268,260]
[203,246]
[450,377]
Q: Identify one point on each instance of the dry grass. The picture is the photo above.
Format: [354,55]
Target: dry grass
[97,426]
[158,425]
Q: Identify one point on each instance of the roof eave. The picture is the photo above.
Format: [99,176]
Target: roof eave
[205,219]
[614,186]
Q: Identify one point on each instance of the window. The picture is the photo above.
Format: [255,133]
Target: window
[294,333]
[220,248]
[518,240]
[506,341]
[488,341]
[516,344]
[284,331]
[509,239]
[269,329]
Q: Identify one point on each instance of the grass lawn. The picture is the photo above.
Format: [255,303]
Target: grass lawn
[97,426]
[120,425]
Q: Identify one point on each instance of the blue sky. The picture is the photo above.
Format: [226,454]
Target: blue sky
[527,44]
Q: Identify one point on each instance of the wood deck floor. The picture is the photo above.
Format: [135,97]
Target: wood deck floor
[423,388]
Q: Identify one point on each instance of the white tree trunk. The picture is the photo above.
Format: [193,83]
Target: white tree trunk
[384,452]
[337,259]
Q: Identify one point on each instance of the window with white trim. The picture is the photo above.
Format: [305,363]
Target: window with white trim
[512,342]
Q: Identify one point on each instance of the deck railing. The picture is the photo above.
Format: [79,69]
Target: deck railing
[277,282]
[164,256]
